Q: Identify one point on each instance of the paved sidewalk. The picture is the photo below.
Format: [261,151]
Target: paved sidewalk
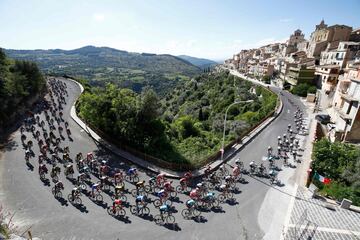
[172,174]
[310,218]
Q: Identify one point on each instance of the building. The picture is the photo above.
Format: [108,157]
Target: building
[345,108]
[292,44]
[355,35]
[300,74]
[303,46]
[344,52]
[323,35]
[326,77]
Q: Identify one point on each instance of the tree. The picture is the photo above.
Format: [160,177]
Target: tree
[266,79]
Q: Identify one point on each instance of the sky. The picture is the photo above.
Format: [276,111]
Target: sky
[201,28]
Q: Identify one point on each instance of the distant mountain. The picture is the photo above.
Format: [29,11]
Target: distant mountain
[103,64]
[200,62]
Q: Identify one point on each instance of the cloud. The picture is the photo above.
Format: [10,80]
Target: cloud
[98,17]
[286,20]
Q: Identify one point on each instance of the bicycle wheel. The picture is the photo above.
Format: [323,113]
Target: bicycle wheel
[179,189]
[123,198]
[147,188]
[157,189]
[134,192]
[78,201]
[196,213]
[58,194]
[168,202]
[133,210]
[83,186]
[127,178]
[185,213]
[221,198]
[215,203]
[70,198]
[170,219]
[230,195]
[145,211]
[158,219]
[211,186]
[99,198]
[173,194]
[121,212]
[110,211]
[135,179]
[56,178]
[157,203]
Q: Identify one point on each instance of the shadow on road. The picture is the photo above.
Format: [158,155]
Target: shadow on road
[173,227]
[82,208]
[200,219]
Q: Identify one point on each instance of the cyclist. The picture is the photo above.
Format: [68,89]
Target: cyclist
[59,186]
[118,177]
[140,200]
[190,203]
[95,187]
[89,156]
[42,169]
[262,168]
[69,169]
[167,186]
[75,192]
[236,171]
[160,179]
[140,184]
[116,203]
[195,194]
[162,195]
[118,190]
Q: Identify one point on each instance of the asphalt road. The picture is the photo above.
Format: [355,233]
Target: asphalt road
[24,193]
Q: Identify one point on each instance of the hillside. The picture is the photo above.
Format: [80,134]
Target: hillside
[20,84]
[101,65]
[183,127]
[199,62]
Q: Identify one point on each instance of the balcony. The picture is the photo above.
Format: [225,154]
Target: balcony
[342,114]
[349,97]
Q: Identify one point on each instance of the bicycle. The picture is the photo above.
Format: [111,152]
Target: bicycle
[137,210]
[225,195]
[118,211]
[76,200]
[56,192]
[96,196]
[161,218]
[191,210]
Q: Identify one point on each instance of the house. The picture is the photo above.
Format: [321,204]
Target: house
[300,74]
[323,35]
[345,108]
[344,52]
[326,77]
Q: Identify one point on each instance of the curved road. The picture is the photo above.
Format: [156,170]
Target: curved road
[24,193]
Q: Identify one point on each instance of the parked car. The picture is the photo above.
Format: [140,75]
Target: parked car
[323,118]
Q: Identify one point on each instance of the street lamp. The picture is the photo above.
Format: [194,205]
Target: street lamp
[223,140]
